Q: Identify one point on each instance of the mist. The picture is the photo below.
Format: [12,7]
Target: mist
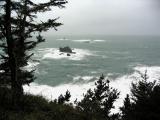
[108,17]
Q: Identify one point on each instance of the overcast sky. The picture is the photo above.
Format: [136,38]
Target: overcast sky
[108,17]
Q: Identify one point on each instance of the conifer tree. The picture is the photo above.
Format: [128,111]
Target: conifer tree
[97,103]
[144,101]
[18,23]
[126,109]
[64,98]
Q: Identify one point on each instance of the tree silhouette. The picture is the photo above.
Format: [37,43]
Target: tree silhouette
[144,102]
[126,108]
[18,23]
[97,103]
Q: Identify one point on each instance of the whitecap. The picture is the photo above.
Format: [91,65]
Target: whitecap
[99,40]
[54,53]
[123,84]
[152,72]
[82,40]
[80,65]
[94,72]
[84,79]
[88,41]
[61,39]
[31,66]
[52,93]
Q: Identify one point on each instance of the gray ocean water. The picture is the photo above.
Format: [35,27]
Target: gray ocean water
[113,56]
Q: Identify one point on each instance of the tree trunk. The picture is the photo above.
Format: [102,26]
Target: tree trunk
[16,88]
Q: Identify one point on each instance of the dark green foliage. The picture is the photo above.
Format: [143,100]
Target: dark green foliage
[97,104]
[145,103]
[17,25]
[126,108]
[35,108]
[5,98]
[62,99]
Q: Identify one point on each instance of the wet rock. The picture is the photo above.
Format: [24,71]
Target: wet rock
[68,54]
[65,49]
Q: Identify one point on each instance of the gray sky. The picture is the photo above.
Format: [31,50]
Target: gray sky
[108,17]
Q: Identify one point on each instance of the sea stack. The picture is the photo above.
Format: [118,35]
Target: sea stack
[66,49]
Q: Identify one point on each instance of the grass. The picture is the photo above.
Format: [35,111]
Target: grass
[35,108]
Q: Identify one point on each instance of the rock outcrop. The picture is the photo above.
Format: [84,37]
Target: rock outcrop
[66,49]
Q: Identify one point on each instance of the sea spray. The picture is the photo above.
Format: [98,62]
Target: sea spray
[122,83]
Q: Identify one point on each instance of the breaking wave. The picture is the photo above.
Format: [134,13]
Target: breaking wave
[88,41]
[77,89]
[54,53]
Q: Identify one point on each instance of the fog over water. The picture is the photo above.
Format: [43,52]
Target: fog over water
[108,17]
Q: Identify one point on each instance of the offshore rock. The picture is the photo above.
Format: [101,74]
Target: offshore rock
[66,49]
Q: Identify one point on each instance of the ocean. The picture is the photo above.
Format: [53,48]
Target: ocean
[119,58]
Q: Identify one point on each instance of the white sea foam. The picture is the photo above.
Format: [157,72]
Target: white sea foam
[84,79]
[94,72]
[99,40]
[153,72]
[80,65]
[81,40]
[52,93]
[31,66]
[88,41]
[122,83]
[61,39]
[54,53]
